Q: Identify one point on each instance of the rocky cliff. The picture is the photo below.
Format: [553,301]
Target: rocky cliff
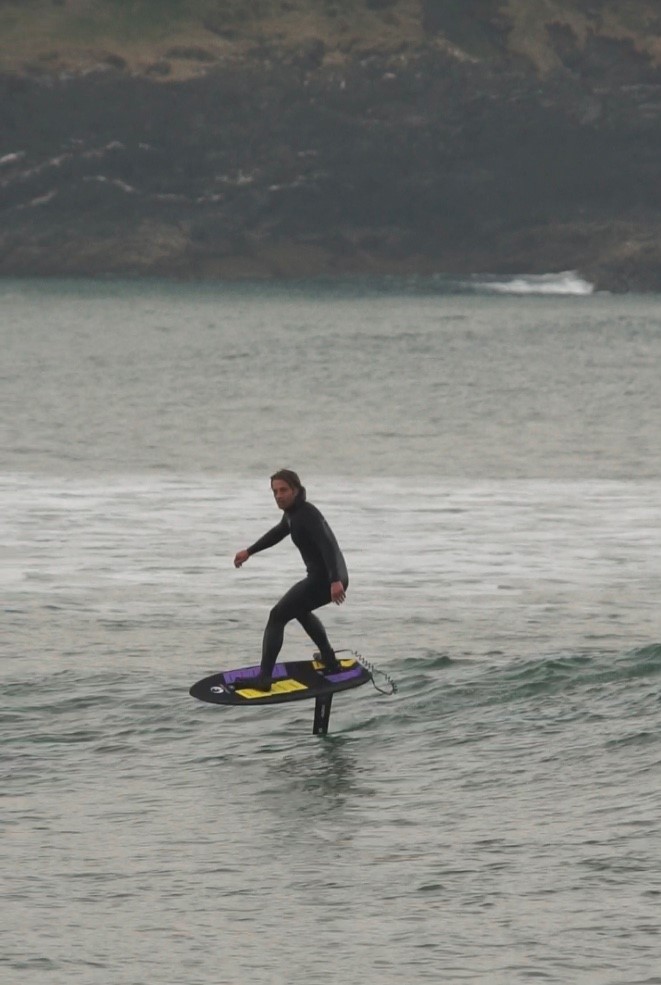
[291,138]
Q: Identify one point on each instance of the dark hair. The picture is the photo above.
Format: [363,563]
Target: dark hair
[288,476]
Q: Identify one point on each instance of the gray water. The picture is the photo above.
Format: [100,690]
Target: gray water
[491,465]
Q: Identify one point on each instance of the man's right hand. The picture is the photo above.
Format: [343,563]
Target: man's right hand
[240,558]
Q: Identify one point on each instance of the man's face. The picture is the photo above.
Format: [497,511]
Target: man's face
[283,493]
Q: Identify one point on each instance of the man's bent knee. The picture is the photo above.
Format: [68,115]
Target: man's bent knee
[279,615]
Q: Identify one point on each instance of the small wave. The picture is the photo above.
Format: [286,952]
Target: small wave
[531,680]
[565,673]
[643,737]
[568,282]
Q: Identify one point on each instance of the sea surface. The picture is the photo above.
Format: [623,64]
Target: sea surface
[489,456]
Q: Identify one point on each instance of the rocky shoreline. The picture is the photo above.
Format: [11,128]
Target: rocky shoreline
[294,164]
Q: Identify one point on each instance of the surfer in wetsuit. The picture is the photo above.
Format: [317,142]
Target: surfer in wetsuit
[326,581]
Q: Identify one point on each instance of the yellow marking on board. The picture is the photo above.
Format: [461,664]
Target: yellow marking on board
[317,664]
[278,687]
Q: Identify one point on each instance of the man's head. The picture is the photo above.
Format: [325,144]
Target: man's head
[286,486]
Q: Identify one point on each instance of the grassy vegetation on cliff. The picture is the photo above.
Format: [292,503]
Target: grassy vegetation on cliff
[75,35]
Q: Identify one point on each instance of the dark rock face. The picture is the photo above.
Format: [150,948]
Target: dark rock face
[289,165]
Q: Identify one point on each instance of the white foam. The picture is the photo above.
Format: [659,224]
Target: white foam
[12,158]
[568,282]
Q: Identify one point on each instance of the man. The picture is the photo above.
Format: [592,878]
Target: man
[327,578]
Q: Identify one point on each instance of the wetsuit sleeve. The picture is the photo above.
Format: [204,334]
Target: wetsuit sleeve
[320,533]
[271,537]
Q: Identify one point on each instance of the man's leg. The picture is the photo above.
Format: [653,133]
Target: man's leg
[297,603]
[314,627]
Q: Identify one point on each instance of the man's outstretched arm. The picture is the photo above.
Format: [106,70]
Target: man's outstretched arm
[270,538]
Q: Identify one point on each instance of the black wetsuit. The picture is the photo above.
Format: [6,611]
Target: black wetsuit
[324,563]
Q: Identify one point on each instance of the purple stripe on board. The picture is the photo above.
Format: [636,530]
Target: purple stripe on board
[231,675]
[345,675]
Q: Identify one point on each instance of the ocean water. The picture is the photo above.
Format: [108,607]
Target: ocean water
[489,456]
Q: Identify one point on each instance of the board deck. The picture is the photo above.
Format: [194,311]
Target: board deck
[292,681]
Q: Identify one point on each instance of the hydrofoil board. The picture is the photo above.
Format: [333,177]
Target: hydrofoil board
[295,680]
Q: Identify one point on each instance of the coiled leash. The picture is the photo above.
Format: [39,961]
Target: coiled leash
[392,686]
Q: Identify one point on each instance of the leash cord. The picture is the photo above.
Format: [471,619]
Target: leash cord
[392,686]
